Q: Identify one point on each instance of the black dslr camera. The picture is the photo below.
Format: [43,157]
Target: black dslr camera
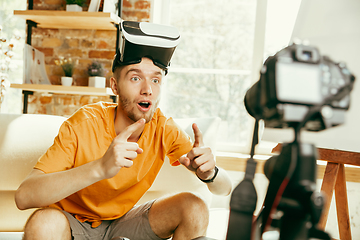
[298,88]
[293,81]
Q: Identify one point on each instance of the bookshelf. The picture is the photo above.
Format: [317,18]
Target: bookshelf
[29,89]
[65,20]
[70,20]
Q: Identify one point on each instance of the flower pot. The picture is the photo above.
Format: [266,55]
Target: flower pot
[98,82]
[73,8]
[66,81]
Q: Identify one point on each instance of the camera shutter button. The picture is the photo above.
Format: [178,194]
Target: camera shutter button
[327,112]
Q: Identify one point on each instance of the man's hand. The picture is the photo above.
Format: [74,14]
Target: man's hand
[200,159]
[121,152]
[41,189]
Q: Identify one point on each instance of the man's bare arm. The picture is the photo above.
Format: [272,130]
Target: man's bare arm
[40,189]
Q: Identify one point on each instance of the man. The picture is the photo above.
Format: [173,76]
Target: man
[104,159]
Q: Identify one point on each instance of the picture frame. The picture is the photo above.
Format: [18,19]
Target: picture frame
[94,6]
[34,66]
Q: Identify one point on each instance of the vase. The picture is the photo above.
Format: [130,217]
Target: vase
[66,81]
[73,8]
[98,82]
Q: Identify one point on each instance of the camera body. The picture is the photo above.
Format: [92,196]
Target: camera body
[295,80]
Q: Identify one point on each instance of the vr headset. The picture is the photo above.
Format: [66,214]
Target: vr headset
[143,39]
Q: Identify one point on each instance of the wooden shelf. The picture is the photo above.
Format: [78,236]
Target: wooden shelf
[64,90]
[70,20]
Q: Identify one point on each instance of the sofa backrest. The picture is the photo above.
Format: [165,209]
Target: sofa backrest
[23,139]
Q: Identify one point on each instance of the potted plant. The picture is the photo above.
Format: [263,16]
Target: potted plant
[68,66]
[74,5]
[96,73]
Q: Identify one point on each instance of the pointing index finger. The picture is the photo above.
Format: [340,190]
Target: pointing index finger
[129,130]
[198,136]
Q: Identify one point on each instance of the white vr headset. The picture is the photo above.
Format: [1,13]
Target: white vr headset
[143,39]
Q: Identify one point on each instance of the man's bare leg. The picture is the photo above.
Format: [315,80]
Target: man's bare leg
[48,223]
[183,216]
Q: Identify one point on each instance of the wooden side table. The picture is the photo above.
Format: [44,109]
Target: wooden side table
[334,179]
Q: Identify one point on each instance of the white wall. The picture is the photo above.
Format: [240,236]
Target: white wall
[334,27]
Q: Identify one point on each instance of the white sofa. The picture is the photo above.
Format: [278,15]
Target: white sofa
[25,137]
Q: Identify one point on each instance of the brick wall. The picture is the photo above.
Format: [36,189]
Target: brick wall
[83,46]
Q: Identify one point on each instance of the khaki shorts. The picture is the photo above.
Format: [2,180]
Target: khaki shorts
[133,225]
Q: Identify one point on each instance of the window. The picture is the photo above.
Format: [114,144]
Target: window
[219,57]
[11,62]
[209,72]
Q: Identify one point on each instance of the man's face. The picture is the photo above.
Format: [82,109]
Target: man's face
[139,88]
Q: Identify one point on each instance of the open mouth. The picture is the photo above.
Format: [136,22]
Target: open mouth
[144,105]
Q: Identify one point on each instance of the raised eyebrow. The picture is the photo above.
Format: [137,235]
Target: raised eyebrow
[156,73]
[133,70]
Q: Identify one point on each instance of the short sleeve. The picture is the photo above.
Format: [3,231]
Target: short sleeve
[178,142]
[60,156]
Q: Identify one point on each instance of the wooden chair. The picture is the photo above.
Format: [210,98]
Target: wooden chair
[334,179]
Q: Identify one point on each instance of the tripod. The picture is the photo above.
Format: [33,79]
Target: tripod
[291,204]
[292,193]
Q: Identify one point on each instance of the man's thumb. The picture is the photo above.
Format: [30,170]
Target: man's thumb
[184,160]
[198,136]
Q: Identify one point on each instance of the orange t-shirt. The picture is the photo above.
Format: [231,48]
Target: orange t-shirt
[86,136]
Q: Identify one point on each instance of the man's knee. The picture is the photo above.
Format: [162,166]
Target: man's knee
[194,206]
[185,215]
[47,222]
